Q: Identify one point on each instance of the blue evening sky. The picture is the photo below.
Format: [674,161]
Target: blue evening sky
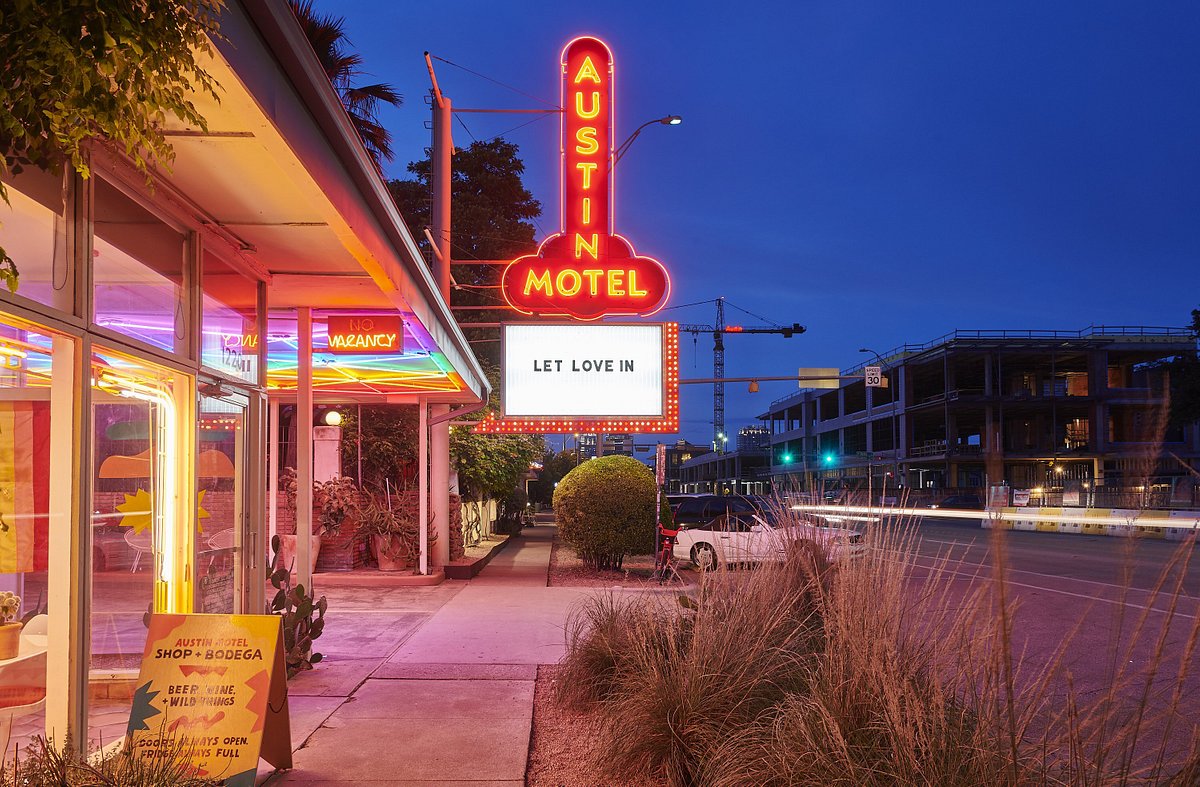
[880,172]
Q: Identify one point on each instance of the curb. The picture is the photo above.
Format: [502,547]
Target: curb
[464,569]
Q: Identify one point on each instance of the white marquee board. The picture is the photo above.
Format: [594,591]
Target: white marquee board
[572,370]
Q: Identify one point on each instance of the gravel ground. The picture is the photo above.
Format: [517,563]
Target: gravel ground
[562,752]
[567,570]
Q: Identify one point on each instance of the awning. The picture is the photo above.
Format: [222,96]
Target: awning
[284,183]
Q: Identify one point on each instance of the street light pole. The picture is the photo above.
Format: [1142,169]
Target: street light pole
[623,148]
[895,441]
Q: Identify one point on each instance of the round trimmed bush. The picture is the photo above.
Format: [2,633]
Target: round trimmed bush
[605,510]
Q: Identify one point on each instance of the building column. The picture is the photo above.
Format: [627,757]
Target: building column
[439,481]
[423,485]
[304,447]
[272,472]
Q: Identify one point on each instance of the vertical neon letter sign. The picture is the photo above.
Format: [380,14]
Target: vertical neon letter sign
[586,271]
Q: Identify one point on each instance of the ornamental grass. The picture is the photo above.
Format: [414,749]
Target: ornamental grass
[888,669]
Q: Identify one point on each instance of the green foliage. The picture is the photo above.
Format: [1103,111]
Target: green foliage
[333,500]
[554,468]
[511,518]
[303,616]
[605,510]
[343,67]
[492,466]
[388,442]
[76,70]
[397,526]
[46,765]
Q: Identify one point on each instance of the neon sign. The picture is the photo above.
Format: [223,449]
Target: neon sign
[376,334]
[586,271]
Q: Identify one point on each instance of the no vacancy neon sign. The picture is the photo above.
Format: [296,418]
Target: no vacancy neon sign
[586,271]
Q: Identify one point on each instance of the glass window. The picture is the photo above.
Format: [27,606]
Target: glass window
[27,461]
[229,336]
[220,512]
[137,269]
[33,230]
[142,512]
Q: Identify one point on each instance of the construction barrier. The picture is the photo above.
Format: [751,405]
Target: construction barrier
[1169,525]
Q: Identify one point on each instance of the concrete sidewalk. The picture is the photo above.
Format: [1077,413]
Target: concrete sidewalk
[431,685]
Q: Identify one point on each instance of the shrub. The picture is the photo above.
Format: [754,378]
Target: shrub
[605,510]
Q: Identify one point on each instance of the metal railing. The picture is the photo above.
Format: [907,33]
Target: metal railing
[896,354]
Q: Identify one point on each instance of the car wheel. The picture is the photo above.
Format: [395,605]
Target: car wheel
[705,557]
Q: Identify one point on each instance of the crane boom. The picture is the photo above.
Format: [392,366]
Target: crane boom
[718,330]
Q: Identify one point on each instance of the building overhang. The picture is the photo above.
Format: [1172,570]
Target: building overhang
[283,184]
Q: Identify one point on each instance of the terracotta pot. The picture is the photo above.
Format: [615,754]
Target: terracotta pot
[287,551]
[394,559]
[10,640]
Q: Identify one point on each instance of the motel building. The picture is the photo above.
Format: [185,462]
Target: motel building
[155,335]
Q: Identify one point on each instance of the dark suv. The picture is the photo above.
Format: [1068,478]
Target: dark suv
[702,509]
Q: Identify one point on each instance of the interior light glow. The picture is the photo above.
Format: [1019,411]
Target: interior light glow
[165,490]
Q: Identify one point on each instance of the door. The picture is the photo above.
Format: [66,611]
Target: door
[222,521]
[734,537]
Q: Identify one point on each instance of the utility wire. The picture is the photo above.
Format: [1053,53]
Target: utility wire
[463,123]
[752,314]
[496,81]
[685,305]
[521,126]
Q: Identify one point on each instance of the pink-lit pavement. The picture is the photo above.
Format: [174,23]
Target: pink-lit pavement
[430,685]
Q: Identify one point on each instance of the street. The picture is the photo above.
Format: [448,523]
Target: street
[1092,567]
[1087,611]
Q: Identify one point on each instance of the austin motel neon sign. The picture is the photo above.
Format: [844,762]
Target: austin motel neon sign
[586,271]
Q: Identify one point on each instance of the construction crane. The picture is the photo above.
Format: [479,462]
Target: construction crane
[718,330]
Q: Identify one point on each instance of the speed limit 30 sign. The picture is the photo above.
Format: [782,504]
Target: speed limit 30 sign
[873,376]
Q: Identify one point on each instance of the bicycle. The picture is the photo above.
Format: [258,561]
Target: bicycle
[664,562]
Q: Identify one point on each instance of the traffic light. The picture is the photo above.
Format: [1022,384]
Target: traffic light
[786,458]
[828,459]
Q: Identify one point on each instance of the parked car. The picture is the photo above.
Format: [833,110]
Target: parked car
[701,509]
[967,501]
[753,537]
[676,500]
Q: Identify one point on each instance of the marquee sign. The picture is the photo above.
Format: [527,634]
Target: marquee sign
[586,271]
[562,378]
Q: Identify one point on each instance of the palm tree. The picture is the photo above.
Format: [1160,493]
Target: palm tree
[342,66]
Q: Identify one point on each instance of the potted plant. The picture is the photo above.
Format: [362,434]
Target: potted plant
[393,534]
[10,626]
[333,501]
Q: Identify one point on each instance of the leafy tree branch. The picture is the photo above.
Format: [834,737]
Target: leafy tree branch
[114,70]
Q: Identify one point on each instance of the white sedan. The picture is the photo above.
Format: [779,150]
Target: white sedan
[757,538]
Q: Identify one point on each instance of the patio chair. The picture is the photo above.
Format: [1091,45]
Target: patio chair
[140,543]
